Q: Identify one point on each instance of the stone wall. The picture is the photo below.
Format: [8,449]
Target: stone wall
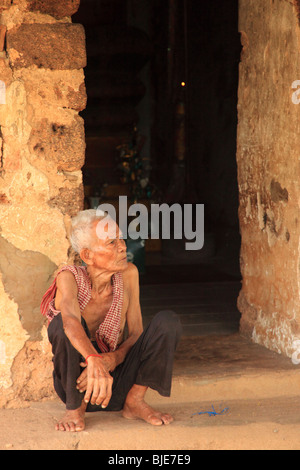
[268,145]
[42,150]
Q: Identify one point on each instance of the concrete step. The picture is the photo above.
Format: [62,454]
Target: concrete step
[259,389]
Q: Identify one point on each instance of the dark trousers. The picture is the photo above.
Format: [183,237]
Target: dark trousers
[148,363]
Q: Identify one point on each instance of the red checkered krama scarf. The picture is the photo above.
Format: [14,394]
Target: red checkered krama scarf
[108,332]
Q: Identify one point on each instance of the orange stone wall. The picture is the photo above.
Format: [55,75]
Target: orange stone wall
[268,144]
[42,151]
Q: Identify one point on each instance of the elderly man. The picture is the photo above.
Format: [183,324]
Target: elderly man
[95,366]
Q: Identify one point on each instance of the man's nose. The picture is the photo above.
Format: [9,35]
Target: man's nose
[121,244]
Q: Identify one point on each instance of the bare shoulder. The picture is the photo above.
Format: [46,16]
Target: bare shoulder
[65,276]
[65,281]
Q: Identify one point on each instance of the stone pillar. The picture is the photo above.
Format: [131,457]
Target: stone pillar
[42,150]
[268,144]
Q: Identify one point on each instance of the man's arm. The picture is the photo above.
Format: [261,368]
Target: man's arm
[99,381]
[133,315]
[66,302]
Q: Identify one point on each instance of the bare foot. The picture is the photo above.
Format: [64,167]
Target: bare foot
[143,411]
[73,420]
[136,408]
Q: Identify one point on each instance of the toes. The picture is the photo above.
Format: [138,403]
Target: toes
[155,420]
[72,427]
[61,426]
[69,427]
[79,427]
[145,412]
[167,419]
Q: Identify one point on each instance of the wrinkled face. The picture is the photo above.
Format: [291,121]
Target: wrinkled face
[109,250]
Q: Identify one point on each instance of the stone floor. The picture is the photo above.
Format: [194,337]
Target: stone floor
[258,388]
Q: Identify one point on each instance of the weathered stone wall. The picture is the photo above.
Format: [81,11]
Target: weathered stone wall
[42,150]
[268,146]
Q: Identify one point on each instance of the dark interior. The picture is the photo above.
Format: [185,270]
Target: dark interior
[162,80]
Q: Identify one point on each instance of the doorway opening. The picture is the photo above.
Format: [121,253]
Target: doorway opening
[160,122]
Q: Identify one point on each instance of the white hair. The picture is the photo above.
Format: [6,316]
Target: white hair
[81,233]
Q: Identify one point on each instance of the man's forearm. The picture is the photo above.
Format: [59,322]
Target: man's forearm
[80,341]
[77,336]
[125,347]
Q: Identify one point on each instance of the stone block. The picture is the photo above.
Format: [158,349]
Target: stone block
[55,8]
[15,131]
[4,4]
[54,89]
[77,99]
[62,145]
[68,201]
[59,46]
[5,72]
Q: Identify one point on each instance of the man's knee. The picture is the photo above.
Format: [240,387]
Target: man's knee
[169,322]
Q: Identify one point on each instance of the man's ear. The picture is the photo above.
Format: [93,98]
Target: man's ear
[87,256]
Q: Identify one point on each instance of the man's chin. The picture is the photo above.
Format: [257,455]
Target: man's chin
[123,263]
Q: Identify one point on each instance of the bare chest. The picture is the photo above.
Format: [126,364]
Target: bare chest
[97,309]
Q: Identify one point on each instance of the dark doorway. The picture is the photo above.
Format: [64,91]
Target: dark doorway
[162,81]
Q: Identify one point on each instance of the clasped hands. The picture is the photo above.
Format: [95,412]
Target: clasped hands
[96,381]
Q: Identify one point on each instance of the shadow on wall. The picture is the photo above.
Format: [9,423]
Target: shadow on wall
[25,276]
